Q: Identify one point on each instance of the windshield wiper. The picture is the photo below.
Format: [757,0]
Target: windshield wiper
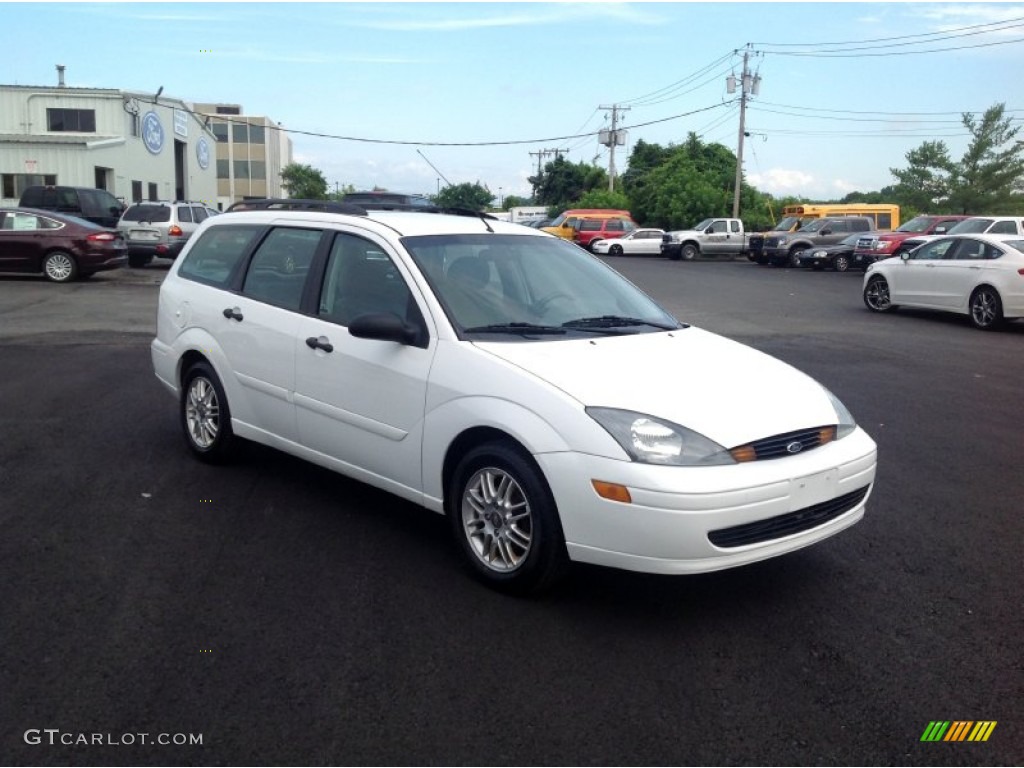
[523,328]
[616,321]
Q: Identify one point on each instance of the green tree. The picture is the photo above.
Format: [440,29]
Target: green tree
[474,197]
[602,198]
[304,182]
[989,178]
[514,201]
[562,183]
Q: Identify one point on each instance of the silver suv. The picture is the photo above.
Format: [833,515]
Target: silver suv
[160,229]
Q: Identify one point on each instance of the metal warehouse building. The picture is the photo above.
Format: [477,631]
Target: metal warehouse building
[138,146]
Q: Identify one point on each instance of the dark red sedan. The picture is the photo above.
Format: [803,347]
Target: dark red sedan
[61,247]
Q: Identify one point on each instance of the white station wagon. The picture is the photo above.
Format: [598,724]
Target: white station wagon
[504,378]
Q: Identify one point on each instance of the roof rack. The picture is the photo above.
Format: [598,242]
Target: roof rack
[291,204]
[332,206]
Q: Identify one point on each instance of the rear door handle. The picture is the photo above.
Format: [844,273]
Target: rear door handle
[320,343]
[233,313]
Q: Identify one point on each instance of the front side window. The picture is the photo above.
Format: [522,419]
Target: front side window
[278,270]
[361,279]
[590,225]
[615,225]
[933,251]
[215,255]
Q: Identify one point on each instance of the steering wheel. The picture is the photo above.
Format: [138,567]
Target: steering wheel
[540,306]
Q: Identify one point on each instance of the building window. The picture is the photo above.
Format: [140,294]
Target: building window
[220,130]
[153,194]
[239,134]
[134,125]
[256,133]
[223,169]
[77,120]
[257,169]
[136,191]
[14,184]
[228,111]
[241,169]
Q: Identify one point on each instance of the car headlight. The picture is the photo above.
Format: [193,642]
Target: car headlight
[650,440]
[846,423]
[884,245]
[783,240]
[819,254]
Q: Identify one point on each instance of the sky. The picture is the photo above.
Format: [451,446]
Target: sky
[412,96]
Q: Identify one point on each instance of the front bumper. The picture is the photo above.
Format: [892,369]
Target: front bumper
[671,250]
[761,508]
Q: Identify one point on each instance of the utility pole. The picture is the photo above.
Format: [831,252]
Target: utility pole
[541,154]
[610,139]
[750,85]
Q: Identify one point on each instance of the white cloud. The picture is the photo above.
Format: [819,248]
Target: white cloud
[532,15]
[781,181]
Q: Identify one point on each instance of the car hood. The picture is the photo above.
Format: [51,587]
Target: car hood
[726,391]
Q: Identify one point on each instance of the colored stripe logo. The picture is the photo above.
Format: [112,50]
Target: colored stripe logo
[958,730]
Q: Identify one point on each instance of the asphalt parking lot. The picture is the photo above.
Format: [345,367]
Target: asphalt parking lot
[290,616]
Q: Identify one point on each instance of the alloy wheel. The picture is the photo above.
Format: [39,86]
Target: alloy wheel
[497,519]
[202,412]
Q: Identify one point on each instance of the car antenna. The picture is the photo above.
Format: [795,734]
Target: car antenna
[484,218]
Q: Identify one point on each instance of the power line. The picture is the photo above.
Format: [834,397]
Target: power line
[874,112]
[991,26]
[640,100]
[835,55]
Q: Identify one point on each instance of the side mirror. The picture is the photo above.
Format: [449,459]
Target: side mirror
[825,231]
[940,230]
[383,326]
[905,255]
[709,231]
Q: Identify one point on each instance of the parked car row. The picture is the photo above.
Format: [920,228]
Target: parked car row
[67,233]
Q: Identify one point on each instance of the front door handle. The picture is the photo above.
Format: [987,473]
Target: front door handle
[320,343]
[233,313]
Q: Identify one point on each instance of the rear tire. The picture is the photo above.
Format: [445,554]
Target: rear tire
[841,263]
[986,308]
[504,520]
[205,415]
[60,267]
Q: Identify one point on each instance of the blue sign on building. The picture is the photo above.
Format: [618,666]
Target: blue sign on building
[203,153]
[152,133]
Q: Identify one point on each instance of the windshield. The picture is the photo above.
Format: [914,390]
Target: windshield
[970,226]
[703,225]
[150,213]
[516,287]
[786,224]
[917,224]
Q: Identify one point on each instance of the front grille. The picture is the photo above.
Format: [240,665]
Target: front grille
[771,242]
[785,444]
[786,525]
[865,242]
[666,238]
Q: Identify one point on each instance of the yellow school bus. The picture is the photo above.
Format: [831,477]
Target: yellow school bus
[885,216]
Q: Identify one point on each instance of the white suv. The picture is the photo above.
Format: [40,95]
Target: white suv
[160,229]
[507,379]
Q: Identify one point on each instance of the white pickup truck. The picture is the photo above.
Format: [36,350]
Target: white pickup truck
[712,237]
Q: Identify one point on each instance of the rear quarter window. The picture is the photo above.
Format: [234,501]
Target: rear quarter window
[213,258]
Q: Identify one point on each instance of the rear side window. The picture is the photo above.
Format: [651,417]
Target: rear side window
[277,272]
[214,256]
[615,225]
[150,213]
[590,225]
[199,214]
[184,214]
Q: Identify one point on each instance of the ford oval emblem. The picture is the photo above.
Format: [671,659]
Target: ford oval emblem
[795,447]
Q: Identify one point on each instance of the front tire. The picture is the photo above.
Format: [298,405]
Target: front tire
[205,415]
[689,252]
[505,521]
[841,263]
[986,308]
[794,258]
[876,295]
[60,267]
[615,250]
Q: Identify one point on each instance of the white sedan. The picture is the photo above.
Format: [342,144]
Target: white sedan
[638,242]
[981,276]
